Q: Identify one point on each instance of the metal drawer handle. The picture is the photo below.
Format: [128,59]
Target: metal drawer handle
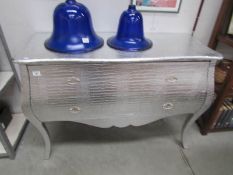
[172,79]
[73,80]
[168,106]
[75,109]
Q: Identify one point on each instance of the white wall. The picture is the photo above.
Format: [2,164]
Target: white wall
[21,18]
[207,20]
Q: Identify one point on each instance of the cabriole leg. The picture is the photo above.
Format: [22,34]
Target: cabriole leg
[26,107]
[209,99]
[188,123]
[44,132]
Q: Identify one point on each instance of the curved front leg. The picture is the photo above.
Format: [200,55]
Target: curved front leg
[27,110]
[44,132]
[41,128]
[208,101]
[188,123]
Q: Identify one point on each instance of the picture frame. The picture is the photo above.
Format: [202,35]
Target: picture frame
[230,28]
[166,6]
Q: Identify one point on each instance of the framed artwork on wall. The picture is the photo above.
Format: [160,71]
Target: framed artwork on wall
[170,6]
[230,29]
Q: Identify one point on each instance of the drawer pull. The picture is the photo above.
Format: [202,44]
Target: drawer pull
[168,106]
[73,80]
[75,109]
[172,79]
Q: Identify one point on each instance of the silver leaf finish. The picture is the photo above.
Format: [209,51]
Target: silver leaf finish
[109,88]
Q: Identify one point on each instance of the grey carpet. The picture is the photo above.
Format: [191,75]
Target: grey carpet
[148,150]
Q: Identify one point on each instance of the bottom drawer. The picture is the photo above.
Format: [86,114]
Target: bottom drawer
[123,109]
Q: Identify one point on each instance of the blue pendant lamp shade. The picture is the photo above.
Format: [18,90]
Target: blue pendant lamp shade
[130,35]
[73,30]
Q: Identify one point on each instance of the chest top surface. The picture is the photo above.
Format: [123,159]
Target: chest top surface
[166,47]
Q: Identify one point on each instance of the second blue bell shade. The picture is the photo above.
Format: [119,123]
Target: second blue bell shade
[73,30]
[130,35]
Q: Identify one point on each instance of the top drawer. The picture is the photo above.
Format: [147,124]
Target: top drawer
[137,83]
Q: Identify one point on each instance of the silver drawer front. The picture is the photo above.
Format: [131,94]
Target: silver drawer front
[105,91]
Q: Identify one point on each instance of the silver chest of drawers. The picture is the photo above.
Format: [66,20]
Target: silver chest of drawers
[108,88]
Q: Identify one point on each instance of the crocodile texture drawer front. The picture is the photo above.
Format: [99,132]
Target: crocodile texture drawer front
[101,91]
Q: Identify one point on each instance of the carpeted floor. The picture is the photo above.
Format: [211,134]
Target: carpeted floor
[148,150]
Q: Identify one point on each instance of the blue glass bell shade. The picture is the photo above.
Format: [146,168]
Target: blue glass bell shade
[73,31]
[130,35]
